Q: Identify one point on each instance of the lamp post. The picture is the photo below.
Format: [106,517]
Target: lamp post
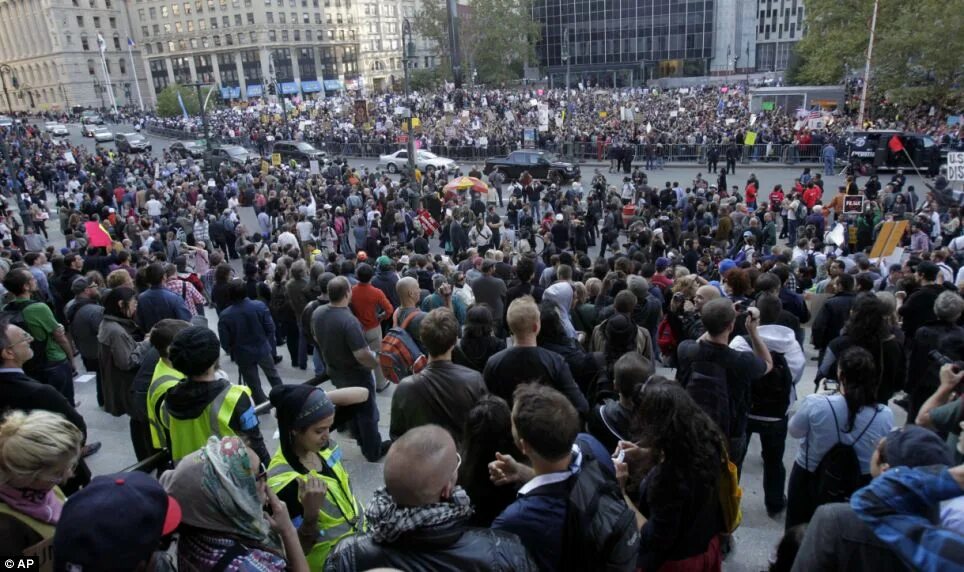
[277,88]
[6,69]
[564,54]
[204,118]
[409,47]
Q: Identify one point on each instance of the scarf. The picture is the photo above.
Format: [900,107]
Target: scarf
[387,521]
[37,504]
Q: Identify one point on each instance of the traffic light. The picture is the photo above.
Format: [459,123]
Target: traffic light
[271,89]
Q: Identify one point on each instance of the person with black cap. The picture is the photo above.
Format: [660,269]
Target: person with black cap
[306,471]
[116,522]
[204,404]
[247,333]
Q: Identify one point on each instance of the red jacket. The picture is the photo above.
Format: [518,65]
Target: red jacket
[812,195]
[365,300]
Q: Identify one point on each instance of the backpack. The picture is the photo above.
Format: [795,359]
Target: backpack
[770,394]
[801,211]
[666,338]
[838,474]
[13,312]
[400,356]
[600,529]
[706,384]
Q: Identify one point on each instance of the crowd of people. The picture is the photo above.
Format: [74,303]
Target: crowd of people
[578,378]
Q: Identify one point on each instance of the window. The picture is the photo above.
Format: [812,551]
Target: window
[331,34]
[156,28]
[339,18]
[214,23]
[317,18]
[190,25]
[84,43]
[223,4]
[205,43]
[237,19]
[116,42]
[90,67]
[123,66]
[80,21]
[328,18]
[272,36]
[254,37]
[247,3]
[284,35]
[270,17]
[163,11]
[282,18]
[199,6]
[144,31]
[170,46]
[314,3]
[202,24]
[107,4]
[305,18]
[150,48]
[193,43]
[217,41]
[240,38]
[160,48]
[250,16]
[177,27]
[229,39]
[188,8]
[225,21]
[175,9]
[297,35]
[167,28]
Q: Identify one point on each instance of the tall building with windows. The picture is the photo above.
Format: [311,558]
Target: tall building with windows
[380,39]
[249,47]
[780,25]
[52,50]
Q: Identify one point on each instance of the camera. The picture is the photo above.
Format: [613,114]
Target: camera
[943,360]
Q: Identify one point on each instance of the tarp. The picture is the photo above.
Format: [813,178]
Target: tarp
[310,86]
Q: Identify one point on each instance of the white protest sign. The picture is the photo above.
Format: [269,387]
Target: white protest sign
[313,167]
[69,157]
[955,166]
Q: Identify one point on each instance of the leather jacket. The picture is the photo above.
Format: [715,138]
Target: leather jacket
[442,393]
[457,548]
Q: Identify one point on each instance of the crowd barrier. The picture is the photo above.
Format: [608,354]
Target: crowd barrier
[576,151]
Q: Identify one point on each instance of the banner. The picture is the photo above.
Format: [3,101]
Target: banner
[311,86]
[276,159]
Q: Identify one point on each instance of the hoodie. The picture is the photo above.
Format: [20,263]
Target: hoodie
[780,339]
[560,295]
[188,398]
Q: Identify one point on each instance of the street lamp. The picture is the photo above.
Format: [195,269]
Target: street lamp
[564,52]
[201,102]
[4,69]
[273,80]
[409,47]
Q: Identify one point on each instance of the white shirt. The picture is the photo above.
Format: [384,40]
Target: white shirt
[557,477]
[153,207]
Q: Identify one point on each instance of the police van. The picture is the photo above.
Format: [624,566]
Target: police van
[871,151]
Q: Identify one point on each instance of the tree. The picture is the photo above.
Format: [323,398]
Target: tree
[916,55]
[168,106]
[497,37]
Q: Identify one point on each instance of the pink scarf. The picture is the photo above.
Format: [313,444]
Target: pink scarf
[44,506]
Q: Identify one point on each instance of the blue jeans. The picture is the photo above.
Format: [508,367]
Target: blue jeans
[828,167]
[317,362]
[251,378]
[773,439]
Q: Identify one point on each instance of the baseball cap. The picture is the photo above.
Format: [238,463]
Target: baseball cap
[114,523]
[747,234]
[662,263]
[914,446]
[383,262]
[726,264]
[79,285]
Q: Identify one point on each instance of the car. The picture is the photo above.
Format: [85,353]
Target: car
[299,151]
[91,119]
[132,143]
[87,129]
[185,149]
[102,134]
[424,161]
[233,153]
[49,126]
[59,130]
[6,121]
[870,151]
[541,165]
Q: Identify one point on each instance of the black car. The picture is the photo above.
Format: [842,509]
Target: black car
[300,151]
[871,151]
[185,149]
[132,143]
[540,164]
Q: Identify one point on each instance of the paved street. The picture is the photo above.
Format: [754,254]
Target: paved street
[755,538]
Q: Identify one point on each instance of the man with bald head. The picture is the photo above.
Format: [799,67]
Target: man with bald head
[417,520]
[408,315]
[338,335]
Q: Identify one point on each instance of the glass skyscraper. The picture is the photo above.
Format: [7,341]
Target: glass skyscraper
[624,42]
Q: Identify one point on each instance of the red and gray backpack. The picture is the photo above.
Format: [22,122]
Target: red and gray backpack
[400,356]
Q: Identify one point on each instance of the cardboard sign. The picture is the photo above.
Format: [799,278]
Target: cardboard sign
[313,167]
[853,204]
[264,167]
[890,234]
[750,138]
[276,159]
[955,166]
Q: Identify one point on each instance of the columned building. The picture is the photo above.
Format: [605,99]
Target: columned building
[248,48]
[780,25]
[52,50]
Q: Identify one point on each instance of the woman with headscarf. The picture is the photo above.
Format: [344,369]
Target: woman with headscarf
[222,489]
[38,452]
[561,296]
[306,471]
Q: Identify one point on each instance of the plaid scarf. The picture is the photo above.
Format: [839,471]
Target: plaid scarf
[387,521]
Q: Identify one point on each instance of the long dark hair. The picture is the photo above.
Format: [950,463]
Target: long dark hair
[551,329]
[112,303]
[669,421]
[488,429]
[867,324]
[478,321]
[857,373]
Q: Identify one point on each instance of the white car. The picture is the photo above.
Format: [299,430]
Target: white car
[424,160]
[102,134]
[6,121]
[49,126]
[59,130]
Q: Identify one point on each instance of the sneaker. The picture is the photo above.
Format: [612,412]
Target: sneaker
[277,360]
[386,445]
[89,449]
[774,512]
[383,385]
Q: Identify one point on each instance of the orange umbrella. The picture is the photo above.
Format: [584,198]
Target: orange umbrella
[466,184]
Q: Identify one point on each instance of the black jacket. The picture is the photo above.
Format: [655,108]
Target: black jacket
[452,548]
[18,391]
[441,394]
[831,319]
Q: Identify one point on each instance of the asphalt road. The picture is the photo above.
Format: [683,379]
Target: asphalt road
[755,539]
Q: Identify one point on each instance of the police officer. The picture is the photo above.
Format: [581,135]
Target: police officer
[306,472]
[205,404]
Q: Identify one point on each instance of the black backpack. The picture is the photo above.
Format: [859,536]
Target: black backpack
[770,394]
[600,530]
[706,384]
[13,313]
[838,474]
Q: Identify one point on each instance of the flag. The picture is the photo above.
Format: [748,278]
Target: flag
[97,235]
[814,114]
[101,43]
[180,100]
[802,113]
[895,145]
[130,42]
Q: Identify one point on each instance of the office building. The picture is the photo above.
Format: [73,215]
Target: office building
[51,49]
[780,26]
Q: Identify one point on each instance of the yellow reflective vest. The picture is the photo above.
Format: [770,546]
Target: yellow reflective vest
[340,515]
[189,435]
[165,377]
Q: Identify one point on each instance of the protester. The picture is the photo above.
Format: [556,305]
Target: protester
[247,334]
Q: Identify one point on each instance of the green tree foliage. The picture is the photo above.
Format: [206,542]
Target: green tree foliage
[917,50]
[168,106]
[497,37]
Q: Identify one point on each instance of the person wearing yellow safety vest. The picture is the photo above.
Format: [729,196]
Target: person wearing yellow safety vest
[163,375]
[203,404]
[306,471]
